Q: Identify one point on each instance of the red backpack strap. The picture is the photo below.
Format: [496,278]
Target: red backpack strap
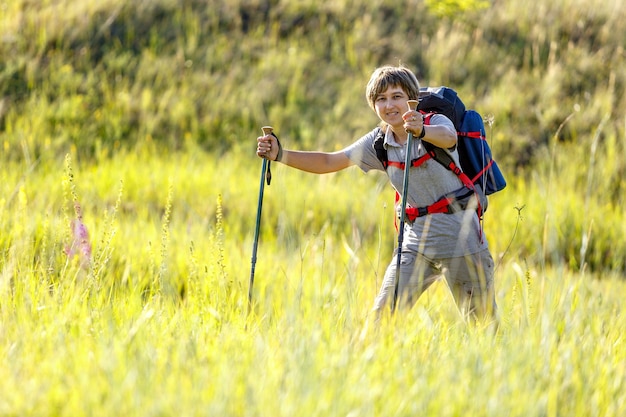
[414,163]
[482,171]
[427,116]
[473,135]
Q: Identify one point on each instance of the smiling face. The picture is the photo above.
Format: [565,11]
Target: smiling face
[390,105]
[388,90]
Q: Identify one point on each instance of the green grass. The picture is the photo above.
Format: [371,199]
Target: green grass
[72,354]
[126,343]
[142,117]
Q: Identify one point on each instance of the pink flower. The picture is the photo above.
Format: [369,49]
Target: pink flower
[80,243]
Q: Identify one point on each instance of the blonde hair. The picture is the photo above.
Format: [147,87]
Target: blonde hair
[387,76]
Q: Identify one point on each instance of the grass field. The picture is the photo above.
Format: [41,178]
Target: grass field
[116,337]
[129,191]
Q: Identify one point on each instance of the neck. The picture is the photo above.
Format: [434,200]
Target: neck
[400,135]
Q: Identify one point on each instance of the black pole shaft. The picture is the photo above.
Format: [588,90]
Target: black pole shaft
[256,231]
[405,188]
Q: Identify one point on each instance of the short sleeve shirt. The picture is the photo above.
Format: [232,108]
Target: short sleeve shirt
[437,235]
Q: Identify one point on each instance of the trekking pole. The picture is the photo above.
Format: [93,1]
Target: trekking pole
[405,187]
[265,175]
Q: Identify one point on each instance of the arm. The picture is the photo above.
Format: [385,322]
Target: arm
[440,135]
[315,162]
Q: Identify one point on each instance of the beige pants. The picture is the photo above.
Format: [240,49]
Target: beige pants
[469,278]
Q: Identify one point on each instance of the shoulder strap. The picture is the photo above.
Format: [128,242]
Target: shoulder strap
[444,158]
[379,147]
[381,152]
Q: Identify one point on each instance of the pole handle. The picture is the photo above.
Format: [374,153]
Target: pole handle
[268,130]
[412,104]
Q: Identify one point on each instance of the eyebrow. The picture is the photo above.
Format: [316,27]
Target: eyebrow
[392,91]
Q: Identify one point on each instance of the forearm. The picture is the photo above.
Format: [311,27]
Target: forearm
[440,136]
[315,162]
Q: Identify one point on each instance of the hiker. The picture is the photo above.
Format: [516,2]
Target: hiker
[434,245]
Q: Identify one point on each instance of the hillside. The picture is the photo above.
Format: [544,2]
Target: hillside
[212,72]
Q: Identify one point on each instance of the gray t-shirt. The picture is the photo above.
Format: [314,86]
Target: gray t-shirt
[436,235]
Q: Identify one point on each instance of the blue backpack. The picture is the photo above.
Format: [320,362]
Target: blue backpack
[479,172]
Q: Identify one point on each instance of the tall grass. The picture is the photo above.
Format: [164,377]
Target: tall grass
[71,347]
[139,120]
[308,347]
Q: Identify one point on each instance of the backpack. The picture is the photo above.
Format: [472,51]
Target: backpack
[479,172]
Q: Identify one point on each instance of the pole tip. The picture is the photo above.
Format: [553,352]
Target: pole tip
[267,130]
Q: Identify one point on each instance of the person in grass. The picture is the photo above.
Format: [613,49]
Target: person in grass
[435,245]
